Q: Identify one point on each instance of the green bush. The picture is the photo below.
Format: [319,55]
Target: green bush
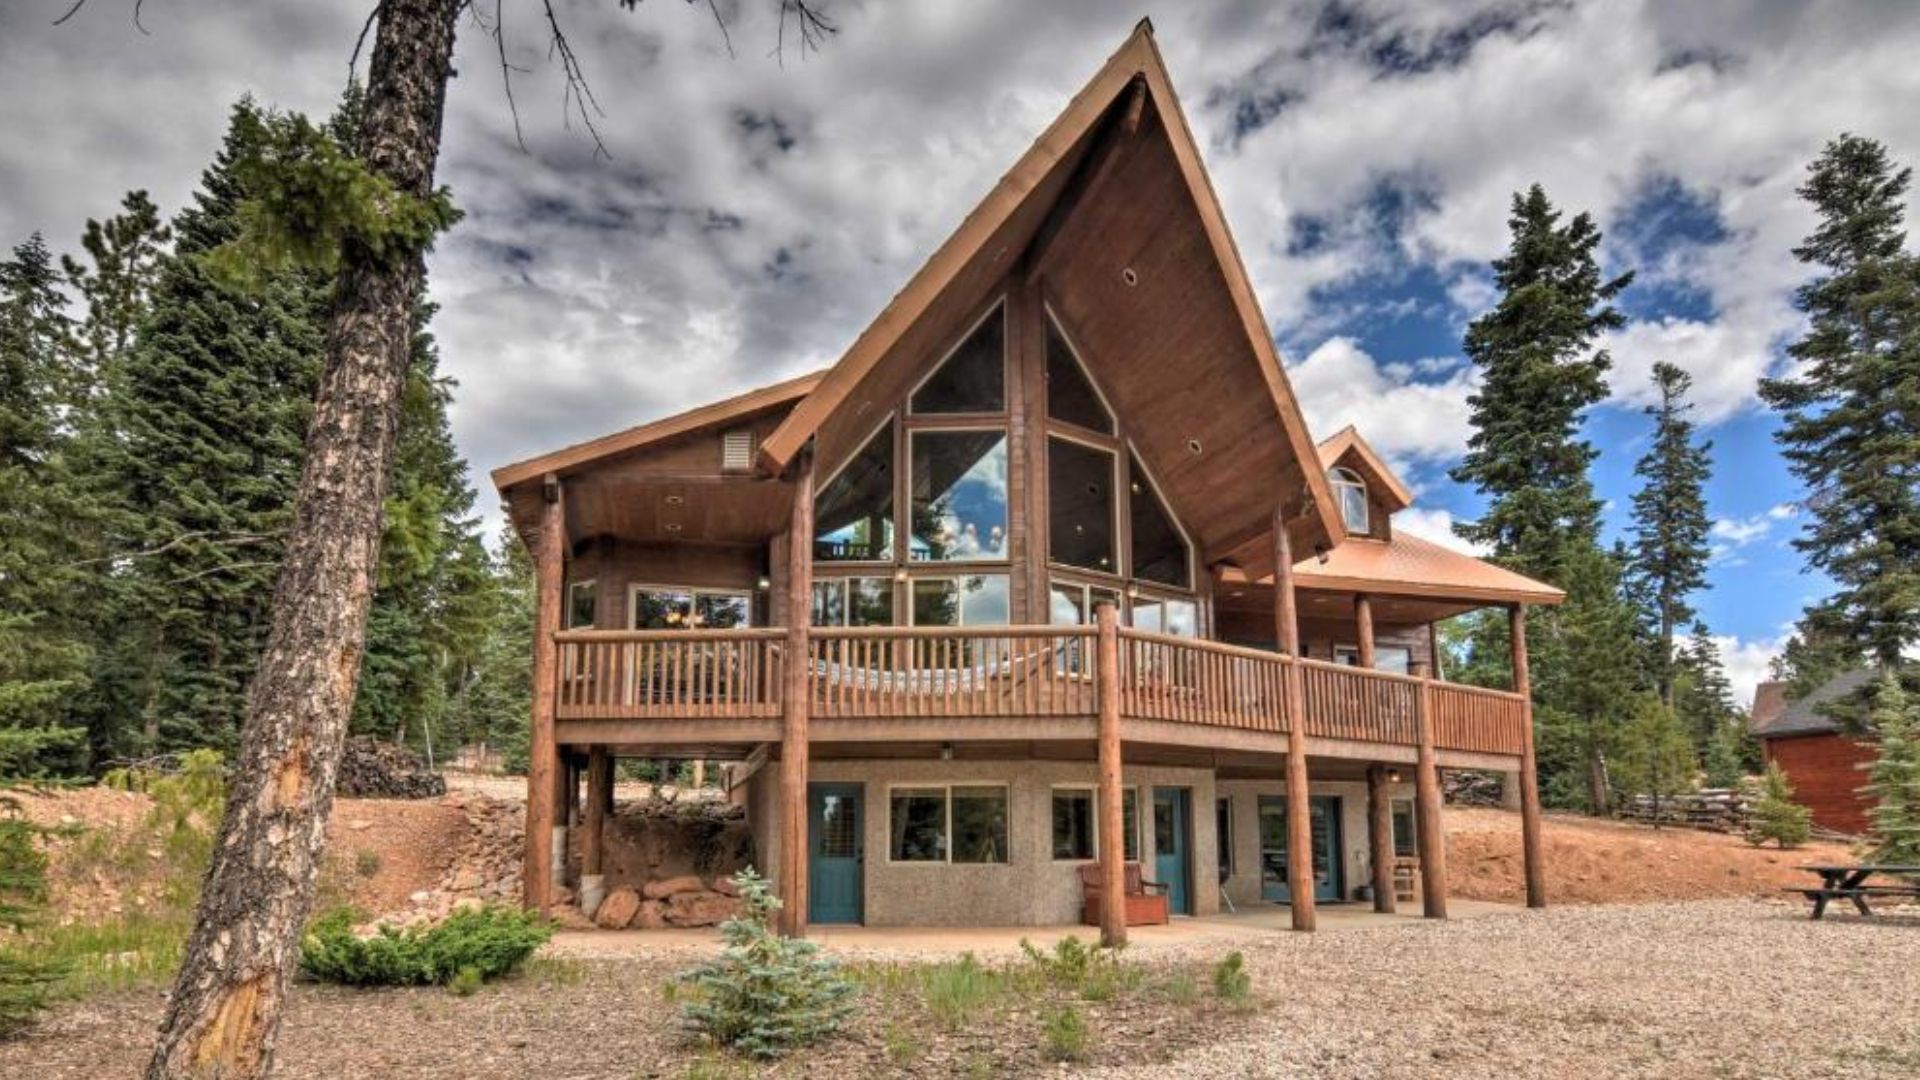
[766,994]
[956,992]
[1232,983]
[1067,1035]
[1776,816]
[28,978]
[491,941]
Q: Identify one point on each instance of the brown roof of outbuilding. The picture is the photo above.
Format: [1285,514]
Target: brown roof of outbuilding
[1769,702]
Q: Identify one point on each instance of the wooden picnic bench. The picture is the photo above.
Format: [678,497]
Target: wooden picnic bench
[1146,901]
[1850,883]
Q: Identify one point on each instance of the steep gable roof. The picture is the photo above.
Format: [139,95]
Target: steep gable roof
[1014,216]
[1347,441]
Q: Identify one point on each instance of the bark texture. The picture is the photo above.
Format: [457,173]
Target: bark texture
[224,1011]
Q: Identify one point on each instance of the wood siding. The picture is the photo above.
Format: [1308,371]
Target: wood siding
[1826,773]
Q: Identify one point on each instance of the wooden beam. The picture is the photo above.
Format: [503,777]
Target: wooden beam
[543,753]
[1113,852]
[599,788]
[1426,810]
[795,704]
[1536,871]
[1286,613]
[1363,628]
[1380,838]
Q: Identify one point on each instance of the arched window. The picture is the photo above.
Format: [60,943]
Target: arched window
[1350,492]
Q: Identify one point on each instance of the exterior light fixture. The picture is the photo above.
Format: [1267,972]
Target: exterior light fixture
[946,751]
[1393,776]
[764,583]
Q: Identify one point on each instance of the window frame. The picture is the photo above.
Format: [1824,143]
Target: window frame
[1342,649]
[916,579]
[591,584]
[997,305]
[1093,793]
[1223,837]
[1413,828]
[906,537]
[1122,557]
[1158,493]
[1165,594]
[1047,418]
[893,515]
[1339,477]
[844,583]
[946,788]
[634,589]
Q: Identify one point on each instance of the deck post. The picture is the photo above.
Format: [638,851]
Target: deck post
[1380,838]
[796,699]
[543,756]
[1426,807]
[1286,613]
[599,782]
[1113,853]
[1363,629]
[1536,873]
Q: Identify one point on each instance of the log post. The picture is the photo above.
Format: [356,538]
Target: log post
[1112,828]
[599,784]
[1380,838]
[1286,613]
[1536,872]
[1426,810]
[1363,628]
[543,764]
[796,700]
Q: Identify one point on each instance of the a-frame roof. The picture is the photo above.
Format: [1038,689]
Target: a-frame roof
[1004,225]
[1347,441]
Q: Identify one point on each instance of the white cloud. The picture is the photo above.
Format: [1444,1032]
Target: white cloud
[1746,662]
[1731,534]
[1403,410]
[1437,525]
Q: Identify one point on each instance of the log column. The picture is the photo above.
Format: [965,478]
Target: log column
[1363,628]
[1529,774]
[1380,837]
[543,763]
[1426,808]
[593,885]
[1286,614]
[795,704]
[1113,851]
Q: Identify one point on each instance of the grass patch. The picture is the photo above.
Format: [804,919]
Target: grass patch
[366,863]
[1066,1035]
[1232,982]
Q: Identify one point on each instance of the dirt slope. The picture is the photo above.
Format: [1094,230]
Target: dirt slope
[1603,862]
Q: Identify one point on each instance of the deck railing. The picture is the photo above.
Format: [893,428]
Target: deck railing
[1013,672]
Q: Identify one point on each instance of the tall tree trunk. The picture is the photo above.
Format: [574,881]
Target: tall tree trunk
[224,1012]
[1597,787]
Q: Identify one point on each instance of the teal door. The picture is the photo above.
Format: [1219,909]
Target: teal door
[1171,813]
[834,853]
[1323,818]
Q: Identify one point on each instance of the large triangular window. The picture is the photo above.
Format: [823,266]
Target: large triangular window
[853,513]
[1160,552]
[973,378]
[1071,397]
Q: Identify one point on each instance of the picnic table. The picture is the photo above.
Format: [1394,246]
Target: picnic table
[1840,882]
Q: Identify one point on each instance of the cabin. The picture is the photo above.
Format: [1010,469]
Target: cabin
[1825,763]
[1046,572]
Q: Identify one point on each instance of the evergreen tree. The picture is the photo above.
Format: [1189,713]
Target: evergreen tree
[1703,698]
[494,702]
[1813,655]
[1776,816]
[1670,520]
[1585,690]
[42,664]
[1656,759]
[1893,780]
[125,252]
[1538,379]
[1729,756]
[1851,410]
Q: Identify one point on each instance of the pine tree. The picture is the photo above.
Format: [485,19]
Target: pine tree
[1703,698]
[1813,655]
[1851,410]
[1585,690]
[125,253]
[1776,816]
[1657,759]
[1670,520]
[1538,379]
[1893,779]
[493,704]
[1730,750]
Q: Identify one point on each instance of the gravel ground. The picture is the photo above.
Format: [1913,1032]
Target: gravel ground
[1711,989]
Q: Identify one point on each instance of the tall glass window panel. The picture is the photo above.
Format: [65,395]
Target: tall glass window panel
[1073,823]
[973,379]
[979,824]
[1071,397]
[1350,492]
[853,514]
[721,611]
[1159,551]
[974,600]
[959,484]
[869,602]
[1180,618]
[830,602]
[917,825]
[582,597]
[1080,530]
[662,609]
[1130,823]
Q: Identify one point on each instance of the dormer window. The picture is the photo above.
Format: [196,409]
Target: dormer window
[1350,492]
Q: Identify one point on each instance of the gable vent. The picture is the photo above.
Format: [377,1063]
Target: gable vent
[736,450]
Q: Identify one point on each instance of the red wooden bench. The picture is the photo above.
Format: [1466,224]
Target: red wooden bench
[1146,900]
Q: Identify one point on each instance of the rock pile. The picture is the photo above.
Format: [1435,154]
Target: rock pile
[372,769]
[687,900]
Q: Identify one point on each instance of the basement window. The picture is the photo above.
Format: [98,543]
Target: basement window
[922,819]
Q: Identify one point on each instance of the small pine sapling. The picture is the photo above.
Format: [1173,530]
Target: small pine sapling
[1776,816]
[1893,778]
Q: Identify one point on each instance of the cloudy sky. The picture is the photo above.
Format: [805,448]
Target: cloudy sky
[757,210]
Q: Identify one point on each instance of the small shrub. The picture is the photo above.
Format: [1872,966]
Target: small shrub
[1094,973]
[465,981]
[491,940]
[1776,816]
[957,991]
[1232,983]
[1180,988]
[28,977]
[366,863]
[766,994]
[1066,1035]
[903,1044]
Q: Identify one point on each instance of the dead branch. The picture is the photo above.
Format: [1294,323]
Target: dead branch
[138,6]
[208,537]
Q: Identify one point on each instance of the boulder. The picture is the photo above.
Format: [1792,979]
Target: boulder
[618,909]
[703,908]
[725,886]
[651,916]
[685,883]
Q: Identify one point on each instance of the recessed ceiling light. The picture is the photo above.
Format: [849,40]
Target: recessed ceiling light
[673,526]
[1193,446]
[1127,275]
[676,500]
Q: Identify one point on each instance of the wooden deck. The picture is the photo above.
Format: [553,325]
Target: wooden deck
[730,684]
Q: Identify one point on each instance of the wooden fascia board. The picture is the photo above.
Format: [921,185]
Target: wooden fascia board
[1306,579]
[912,302]
[1240,288]
[572,457]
